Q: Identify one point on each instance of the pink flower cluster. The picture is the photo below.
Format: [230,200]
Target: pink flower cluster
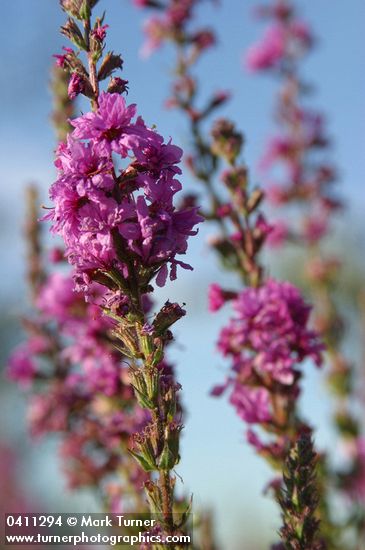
[82,327]
[294,160]
[283,39]
[82,387]
[266,340]
[108,219]
[170,23]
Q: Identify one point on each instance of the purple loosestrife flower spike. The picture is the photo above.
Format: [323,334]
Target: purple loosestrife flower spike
[90,215]
[299,153]
[114,207]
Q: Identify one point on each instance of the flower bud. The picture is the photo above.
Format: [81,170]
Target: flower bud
[169,399]
[159,351]
[235,178]
[146,384]
[110,63]
[73,33]
[143,449]
[81,9]
[254,200]
[170,452]
[126,339]
[219,98]
[72,7]
[169,314]
[227,142]
[203,39]
[74,64]
[96,49]
[153,496]
[117,85]
[79,84]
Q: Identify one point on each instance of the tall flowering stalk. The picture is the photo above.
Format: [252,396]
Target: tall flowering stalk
[122,232]
[268,336]
[296,158]
[299,151]
[114,209]
[79,388]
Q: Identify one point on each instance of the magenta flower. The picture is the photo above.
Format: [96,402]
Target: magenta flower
[215,297]
[49,412]
[156,30]
[85,166]
[61,59]
[75,86]
[99,33]
[267,53]
[273,323]
[83,326]
[111,125]
[57,298]
[266,340]
[157,157]
[280,41]
[171,23]
[92,206]
[252,404]
[21,367]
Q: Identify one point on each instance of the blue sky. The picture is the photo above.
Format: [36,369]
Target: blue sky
[214,439]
